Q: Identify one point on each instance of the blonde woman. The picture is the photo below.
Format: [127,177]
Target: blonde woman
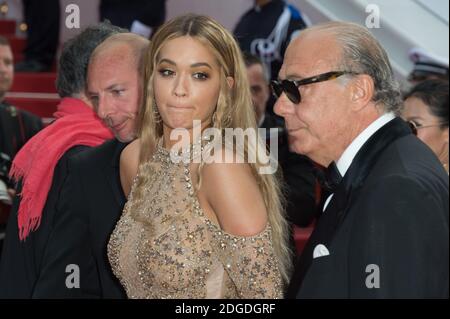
[194,229]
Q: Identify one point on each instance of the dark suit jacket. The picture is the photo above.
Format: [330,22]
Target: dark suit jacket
[79,217]
[386,227]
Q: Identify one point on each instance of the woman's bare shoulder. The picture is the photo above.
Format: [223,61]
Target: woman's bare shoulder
[129,164]
[233,193]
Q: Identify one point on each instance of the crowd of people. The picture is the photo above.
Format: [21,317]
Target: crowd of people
[101,187]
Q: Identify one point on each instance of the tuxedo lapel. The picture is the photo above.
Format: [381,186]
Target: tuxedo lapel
[112,175]
[336,211]
[368,155]
[322,234]
[366,158]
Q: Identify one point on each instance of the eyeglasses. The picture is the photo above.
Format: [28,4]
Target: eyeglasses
[416,127]
[290,87]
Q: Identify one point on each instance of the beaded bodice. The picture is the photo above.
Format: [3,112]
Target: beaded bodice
[165,247]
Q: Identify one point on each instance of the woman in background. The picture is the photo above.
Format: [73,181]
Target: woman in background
[426,108]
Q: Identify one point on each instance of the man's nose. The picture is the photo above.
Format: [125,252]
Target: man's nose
[104,107]
[283,107]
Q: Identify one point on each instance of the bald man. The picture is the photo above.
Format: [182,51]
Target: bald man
[73,261]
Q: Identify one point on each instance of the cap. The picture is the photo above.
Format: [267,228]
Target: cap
[427,64]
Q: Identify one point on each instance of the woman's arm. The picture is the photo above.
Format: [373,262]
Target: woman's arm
[232,193]
[129,163]
[243,240]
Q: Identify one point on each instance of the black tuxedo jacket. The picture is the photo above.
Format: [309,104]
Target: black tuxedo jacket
[66,256]
[386,227]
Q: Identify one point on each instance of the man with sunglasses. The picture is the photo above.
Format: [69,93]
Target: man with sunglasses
[383,232]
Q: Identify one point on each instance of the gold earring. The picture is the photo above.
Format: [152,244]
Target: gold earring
[214,119]
[156,115]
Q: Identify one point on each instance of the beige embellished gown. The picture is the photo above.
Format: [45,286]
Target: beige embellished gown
[165,247]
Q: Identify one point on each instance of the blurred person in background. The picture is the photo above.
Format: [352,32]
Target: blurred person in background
[266,30]
[427,66]
[426,109]
[141,17]
[42,18]
[16,128]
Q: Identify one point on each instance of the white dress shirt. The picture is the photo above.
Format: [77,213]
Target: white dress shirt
[346,159]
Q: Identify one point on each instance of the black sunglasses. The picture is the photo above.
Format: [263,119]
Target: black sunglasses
[290,87]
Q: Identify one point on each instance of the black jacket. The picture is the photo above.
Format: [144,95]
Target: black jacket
[266,32]
[82,208]
[16,128]
[386,227]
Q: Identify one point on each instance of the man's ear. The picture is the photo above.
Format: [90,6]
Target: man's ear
[361,91]
[230,82]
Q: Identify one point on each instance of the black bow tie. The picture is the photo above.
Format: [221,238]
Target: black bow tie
[330,178]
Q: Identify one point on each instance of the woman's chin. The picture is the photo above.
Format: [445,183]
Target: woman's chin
[178,125]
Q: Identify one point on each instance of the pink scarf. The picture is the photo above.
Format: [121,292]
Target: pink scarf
[76,124]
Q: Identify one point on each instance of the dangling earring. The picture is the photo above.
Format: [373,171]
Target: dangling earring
[156,114]
[229,119]
[214,119]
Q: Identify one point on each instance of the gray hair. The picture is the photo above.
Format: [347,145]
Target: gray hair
[362,53]
[75,55]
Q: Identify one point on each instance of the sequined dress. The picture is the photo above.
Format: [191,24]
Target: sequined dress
[165,247]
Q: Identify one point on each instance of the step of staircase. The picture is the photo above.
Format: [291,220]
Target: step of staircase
[43,82]
[17,48]
[7,27]
[17,44]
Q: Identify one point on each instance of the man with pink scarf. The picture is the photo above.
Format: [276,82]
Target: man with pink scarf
[40,169]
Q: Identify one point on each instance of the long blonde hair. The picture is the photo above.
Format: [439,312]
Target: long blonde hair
[234,110]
